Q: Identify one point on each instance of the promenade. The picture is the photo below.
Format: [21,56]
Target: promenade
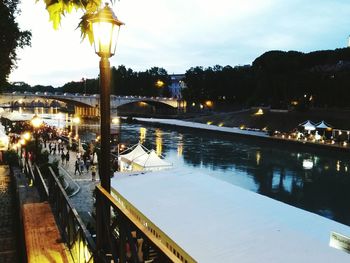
[80,186]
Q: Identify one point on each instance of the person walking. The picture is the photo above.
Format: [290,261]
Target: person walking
[67,157]
[93,172]
[77,167]
[63,157]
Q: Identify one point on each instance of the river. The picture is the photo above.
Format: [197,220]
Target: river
[318,182]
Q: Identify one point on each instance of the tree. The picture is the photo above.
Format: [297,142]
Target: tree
[59,8]
[11,38]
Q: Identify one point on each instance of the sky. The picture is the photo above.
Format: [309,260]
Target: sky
[179,34]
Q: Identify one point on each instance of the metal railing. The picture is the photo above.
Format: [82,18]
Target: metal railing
[152,229]
[127,228]
[74,233]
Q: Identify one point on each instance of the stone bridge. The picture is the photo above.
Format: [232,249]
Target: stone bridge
[80,100]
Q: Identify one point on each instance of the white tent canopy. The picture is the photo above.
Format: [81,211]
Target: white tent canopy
[308,125]
[323,125]
[139,158]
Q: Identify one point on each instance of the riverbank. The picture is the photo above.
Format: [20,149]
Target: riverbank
[259,135]
[283,121]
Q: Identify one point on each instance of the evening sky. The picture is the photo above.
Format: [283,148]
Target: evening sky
[180,34]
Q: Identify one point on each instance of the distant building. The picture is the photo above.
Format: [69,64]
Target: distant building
[176,85]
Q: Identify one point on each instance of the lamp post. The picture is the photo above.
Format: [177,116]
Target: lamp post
[76,121]
[36,123]
[105,27]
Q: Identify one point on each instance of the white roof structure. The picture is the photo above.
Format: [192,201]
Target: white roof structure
[136,152]
[308,125]
[144,160]
[16,116]
[323,125]
[214,221]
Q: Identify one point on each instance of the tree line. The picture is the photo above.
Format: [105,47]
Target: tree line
[278,79]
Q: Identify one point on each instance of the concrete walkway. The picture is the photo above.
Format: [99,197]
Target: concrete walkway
[83,200]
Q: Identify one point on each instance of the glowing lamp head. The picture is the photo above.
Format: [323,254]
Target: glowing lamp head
[105,28]
[36,121]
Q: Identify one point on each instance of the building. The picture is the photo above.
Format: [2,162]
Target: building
[176,85]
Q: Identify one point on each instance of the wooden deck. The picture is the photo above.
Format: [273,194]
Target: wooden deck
[42,236]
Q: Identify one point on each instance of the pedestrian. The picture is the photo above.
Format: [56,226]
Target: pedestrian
[63,157]
[81,164]
[67,157]
[93,172]
[87,164]
[76,166]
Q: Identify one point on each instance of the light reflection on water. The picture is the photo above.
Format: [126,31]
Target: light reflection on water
[317,182]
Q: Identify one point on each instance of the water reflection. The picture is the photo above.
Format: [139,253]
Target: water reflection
[316,182]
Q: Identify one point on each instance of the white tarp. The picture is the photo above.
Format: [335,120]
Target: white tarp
[214,221]
[16,116]
[137,152]
[139,159]
[323,125]
[308,126]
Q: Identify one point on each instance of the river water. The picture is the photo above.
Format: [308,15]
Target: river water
[318,182]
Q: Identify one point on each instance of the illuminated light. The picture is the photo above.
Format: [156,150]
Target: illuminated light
[338,166]
[159,142]
[259,112]
[20,101]
[242,127]
[143,132]
[36,121]
[22,141]
[258,158]
[294,102]
[283,136]
[221,124]
[116,120]
[27,136]
[340,133]
[160,84]
[289,137]
[264,129]
[142,104]
[105,27]
[333,142]
[76,120]
[308,164]
[209,122]
[209,103]
[193,104]
[345,144]
[201,106]
[346,168]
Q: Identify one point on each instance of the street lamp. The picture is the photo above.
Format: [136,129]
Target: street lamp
[76,121]
[36,122]
[105,27]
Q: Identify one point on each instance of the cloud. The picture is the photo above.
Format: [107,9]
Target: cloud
[180,34]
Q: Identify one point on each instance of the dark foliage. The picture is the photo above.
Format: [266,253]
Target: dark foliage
[11,38]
